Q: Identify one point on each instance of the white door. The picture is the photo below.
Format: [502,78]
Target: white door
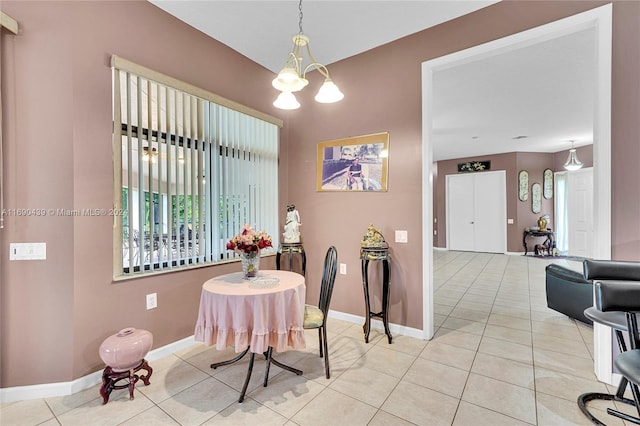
[477,212]
[491,212]
[460,212]
[580,212]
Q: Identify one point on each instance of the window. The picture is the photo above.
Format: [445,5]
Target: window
[189,172]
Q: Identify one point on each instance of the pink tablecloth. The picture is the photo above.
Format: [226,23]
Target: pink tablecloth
[235,313]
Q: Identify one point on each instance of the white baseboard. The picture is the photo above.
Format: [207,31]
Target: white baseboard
[50,390]
[378,325]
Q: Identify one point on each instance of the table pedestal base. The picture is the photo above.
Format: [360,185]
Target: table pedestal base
[111,378]
[268,356]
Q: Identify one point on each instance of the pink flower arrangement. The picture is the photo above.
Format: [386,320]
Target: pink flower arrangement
[249,241]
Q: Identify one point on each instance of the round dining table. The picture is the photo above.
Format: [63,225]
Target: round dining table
[256,316]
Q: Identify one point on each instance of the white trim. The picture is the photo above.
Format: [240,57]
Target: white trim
[396,329]
[8,22]
[49,390]
[598,19]
[129,66]
[427,204]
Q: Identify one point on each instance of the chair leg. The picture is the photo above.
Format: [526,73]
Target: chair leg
[326,352]
[320,340]
[626,417]
[618,396]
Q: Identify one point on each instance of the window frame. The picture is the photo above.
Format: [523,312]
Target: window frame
[214,175]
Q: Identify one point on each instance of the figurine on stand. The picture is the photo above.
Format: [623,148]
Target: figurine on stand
[292,224]
[373,238]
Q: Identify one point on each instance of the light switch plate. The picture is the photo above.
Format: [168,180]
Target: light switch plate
[27,251]
[343,269]
[401,237]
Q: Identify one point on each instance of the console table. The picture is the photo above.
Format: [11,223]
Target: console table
[381,254]
[549,243]
[292,248]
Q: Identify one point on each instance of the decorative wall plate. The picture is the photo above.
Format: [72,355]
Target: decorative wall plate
[536,198]
[523,185]
[548,184]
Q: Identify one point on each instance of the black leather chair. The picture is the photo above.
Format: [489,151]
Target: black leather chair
[617,294]
[568,291]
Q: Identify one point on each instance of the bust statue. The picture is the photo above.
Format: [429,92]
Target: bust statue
[543,221]
[292,224]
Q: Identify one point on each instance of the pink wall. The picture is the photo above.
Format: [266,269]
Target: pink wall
[383,93]
[58,148]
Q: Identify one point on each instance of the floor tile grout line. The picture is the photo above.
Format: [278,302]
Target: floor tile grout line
[471,365]
[533,357]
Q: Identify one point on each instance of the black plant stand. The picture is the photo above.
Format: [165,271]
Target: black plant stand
[291,249]
[381,254]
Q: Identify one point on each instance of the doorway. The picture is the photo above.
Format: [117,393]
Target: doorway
[574,212]
[477,212]
[598,20]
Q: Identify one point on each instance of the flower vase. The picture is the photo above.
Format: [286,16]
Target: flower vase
[250,264]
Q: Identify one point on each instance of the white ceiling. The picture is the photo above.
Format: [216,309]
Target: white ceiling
[544,92]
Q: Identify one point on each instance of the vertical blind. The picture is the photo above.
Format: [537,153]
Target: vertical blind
[189,173]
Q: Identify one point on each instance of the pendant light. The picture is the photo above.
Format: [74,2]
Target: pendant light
[292,77]
[572,161]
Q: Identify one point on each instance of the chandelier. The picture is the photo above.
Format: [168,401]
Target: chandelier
[572,161]
[292,76]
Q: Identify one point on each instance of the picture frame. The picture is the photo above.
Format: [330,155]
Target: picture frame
[474,166]
[536,198]
[358,163]
[547,184]
[523,185]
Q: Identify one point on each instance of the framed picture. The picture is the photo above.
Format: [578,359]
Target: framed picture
[523,185]
[536,198]
[474,166]
[360,163]
[548,184]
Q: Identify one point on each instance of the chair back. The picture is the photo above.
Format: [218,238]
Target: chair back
[611,270]
[328,278]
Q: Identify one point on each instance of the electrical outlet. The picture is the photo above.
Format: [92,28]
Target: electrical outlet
[343,269]
[152,301]
[401,237]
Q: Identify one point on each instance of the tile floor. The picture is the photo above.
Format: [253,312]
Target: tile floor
[499,357]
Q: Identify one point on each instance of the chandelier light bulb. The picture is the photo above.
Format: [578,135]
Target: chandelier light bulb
[288,80]
[286,100]
[329,93]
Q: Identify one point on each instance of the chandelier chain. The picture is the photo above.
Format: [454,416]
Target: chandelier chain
[300,18]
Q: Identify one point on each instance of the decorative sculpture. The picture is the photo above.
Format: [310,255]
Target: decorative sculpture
[543,221]
[373,238]
[292,224]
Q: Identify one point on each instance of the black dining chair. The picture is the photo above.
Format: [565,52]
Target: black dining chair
[623,296]
[316,316]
